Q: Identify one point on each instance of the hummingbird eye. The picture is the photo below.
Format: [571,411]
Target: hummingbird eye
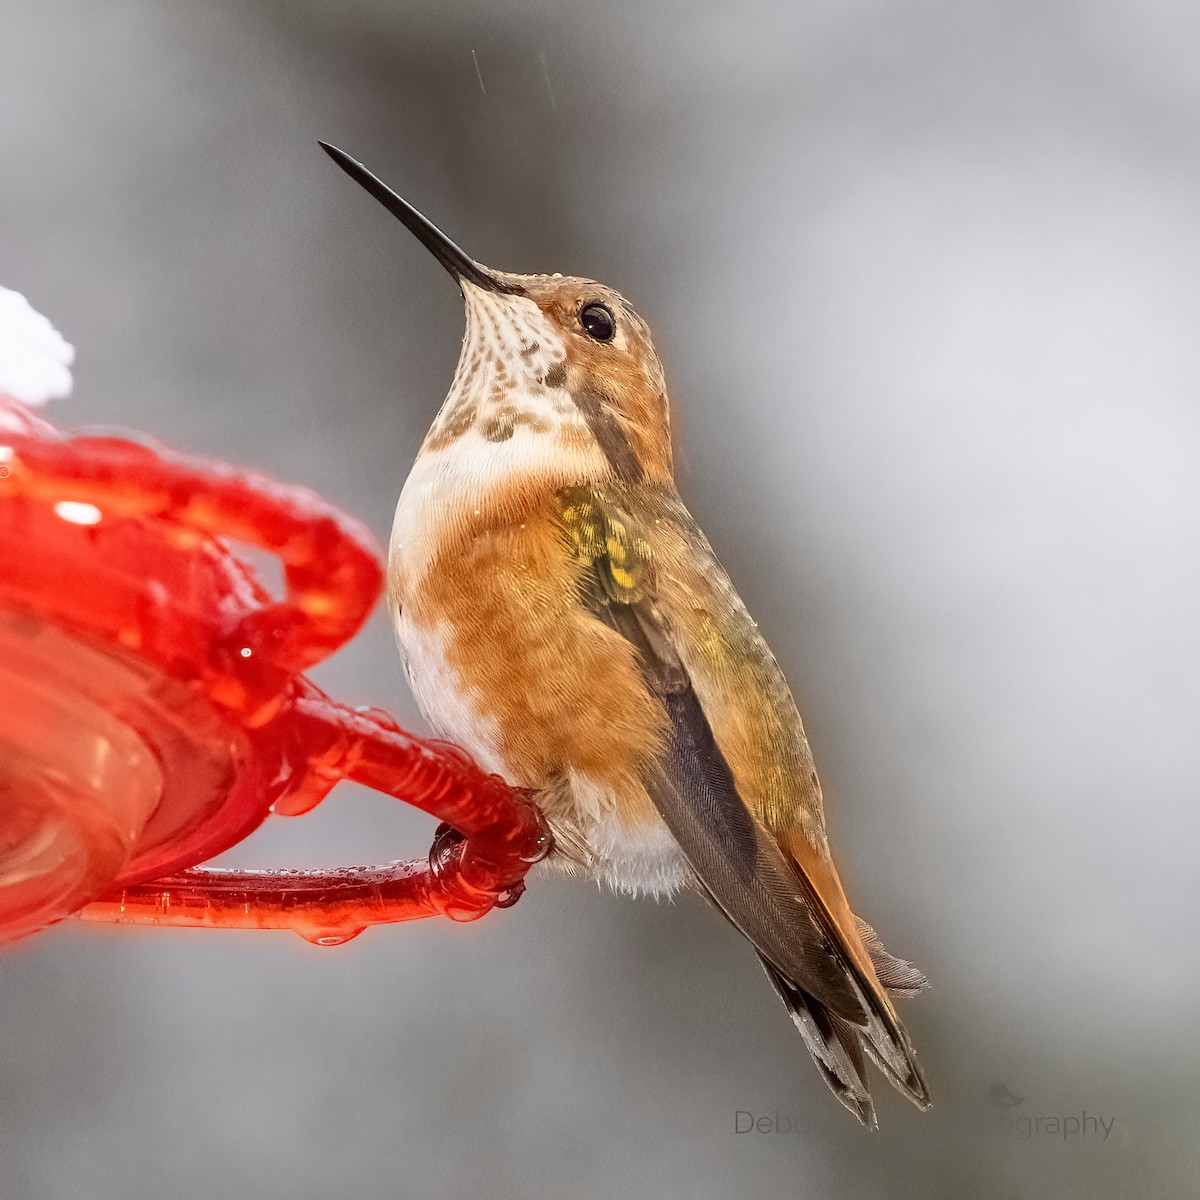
[598,322]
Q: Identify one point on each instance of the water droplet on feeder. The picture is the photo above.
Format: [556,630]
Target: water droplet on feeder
[330,937]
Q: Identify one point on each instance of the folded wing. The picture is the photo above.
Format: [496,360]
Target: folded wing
[775,883]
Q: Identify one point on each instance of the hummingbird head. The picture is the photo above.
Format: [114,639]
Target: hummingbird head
[549,363]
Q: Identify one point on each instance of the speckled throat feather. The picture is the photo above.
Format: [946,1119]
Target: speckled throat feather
[510,373]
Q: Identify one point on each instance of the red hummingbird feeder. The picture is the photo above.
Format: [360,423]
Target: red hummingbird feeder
[154,710]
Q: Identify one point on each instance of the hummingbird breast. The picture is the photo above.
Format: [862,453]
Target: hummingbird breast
[504,660]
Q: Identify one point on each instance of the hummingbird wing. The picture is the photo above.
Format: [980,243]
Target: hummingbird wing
[736,785]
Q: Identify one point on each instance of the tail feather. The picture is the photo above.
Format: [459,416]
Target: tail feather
[837,1045]
[898,975]
[854,946]
[834,1045]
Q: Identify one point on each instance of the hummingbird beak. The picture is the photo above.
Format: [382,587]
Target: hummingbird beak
[464,268]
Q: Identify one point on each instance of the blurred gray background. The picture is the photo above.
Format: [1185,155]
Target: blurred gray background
[924,278]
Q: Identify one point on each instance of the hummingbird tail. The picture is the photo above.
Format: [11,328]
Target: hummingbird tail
[873,975]
[834,1045]
[838,1045]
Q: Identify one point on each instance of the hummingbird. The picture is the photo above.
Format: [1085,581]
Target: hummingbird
[563,618]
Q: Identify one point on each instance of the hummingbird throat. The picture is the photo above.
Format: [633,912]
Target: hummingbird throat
[511,377]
